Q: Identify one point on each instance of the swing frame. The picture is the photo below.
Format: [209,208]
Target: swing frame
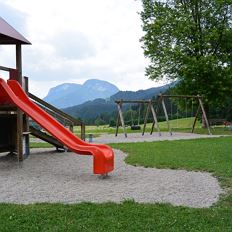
[150,108]
[199,108]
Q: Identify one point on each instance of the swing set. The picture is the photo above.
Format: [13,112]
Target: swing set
[149,108]
[152,108]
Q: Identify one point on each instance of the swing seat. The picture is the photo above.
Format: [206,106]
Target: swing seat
[135,127]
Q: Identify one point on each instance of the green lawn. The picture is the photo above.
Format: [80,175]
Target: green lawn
[213,155]
[128,216]
[177,125]
[40,145]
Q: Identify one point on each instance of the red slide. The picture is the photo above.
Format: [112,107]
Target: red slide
[103,156]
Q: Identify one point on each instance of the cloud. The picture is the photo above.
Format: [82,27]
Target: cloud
[76,40]
[73,45]
[14,17]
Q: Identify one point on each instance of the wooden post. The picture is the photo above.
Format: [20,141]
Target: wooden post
[26,84]
[204,115]
[154,120]
[121,118]
[19,112]
[26,130]
[195,119]
[152,127]
[146,117]
[71,127]
[19,62]
[117,124]
[83,131]
[166,115]
[14,74]
[19,135]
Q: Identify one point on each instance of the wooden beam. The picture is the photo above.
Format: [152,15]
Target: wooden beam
[19,112]
[121,118]
[3,68]
[155,121]
[46,137]
[19,135]
[132,101]
[83,131]
[117,124]
[26,84]
[160,95]
[204,115]
[180,96]
[54,114]
[166,116]
[195,119]
[26,121]
[56,110]
[19,62]
[71,127]
[146,116]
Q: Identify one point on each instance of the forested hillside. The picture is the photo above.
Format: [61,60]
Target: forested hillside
[101,111]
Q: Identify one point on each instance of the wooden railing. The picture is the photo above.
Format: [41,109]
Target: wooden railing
[61,116]
[3,68]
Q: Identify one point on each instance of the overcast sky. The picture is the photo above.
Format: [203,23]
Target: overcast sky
[76,40]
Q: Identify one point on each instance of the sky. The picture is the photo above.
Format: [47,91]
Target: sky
[76,40]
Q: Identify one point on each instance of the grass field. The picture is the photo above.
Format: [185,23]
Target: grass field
[180,125]
[213,155]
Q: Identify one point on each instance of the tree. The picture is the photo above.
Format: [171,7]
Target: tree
[190,41]
[99,121]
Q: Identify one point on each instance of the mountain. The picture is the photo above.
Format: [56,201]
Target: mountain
[70,94]
[140,94]
[91,110]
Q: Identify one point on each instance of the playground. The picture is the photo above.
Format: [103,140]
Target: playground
[57,172]
[183,172]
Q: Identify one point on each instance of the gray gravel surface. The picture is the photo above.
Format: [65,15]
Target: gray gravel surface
[137,137]
[48,176]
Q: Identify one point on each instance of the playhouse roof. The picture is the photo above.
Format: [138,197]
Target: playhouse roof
[8,35]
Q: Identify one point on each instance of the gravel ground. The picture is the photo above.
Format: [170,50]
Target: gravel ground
[137,137]
[48,176]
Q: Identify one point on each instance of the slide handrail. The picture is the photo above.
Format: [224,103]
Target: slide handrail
[59,114]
